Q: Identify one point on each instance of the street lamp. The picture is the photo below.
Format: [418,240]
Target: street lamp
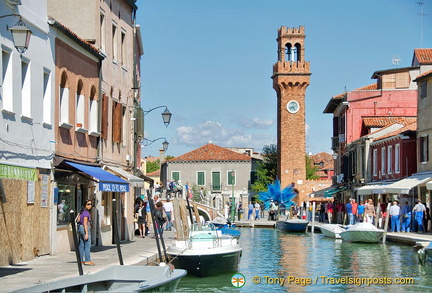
[21,36]
[166,115]
[146,142]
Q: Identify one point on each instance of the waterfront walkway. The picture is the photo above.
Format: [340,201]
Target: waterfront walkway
[138,251]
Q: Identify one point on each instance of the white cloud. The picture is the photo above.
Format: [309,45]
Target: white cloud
[256,123]
[199,135]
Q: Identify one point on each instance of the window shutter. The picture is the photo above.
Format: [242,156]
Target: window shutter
[117,118]
[104,117]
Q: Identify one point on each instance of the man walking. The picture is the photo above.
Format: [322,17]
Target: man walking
[394,214]
[419,210]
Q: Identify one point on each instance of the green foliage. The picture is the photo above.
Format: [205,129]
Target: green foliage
[152,166]
[267,169]
[311,169]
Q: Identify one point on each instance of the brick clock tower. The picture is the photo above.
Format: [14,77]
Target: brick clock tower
[291,77]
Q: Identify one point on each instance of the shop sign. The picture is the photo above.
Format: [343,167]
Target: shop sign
[113,187]
[15,172]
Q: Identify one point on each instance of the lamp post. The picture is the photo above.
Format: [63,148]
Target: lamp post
[146,142]
[20,34]
[233,208]
[166,115]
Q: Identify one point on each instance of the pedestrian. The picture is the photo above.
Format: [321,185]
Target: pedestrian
[322,212]
[360,211]
[160,217]
[329,211]
[419,210]
[406,217]
[370,211]
[257,210]
[250,210]
[394,213]
[168,207]
[354,206]
[340,212]
[142,218]
[84,233]
[239,210]
[202,197]
[348,209]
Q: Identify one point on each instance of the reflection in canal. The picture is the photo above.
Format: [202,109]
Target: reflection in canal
[270,254]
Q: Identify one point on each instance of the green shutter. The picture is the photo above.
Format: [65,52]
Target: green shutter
[216,183]
[200,178]
[176,176]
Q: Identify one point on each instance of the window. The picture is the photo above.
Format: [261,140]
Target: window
[175,175]
[123,48]
[375,162]
[25,88]
[80,106]
[7,81]
[200,178]
[66,203]
[397,159]
[383,161]
[64,100]
[114,42]
[102,30]
[216,181]
[104,117]
[423,89]
[389,159]
[93,115]
[231,177]
[46,97]
[424,152]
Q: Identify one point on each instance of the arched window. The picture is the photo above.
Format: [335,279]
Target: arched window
[93,113]
[64,100]
[298,52]
[80,106]
[288,53]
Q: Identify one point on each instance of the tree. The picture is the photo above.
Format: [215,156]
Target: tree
[311,169]
[267,169]
[152,166]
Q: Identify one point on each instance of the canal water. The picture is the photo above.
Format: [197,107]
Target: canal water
[283,262]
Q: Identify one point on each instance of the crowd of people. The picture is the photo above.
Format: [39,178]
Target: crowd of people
[401,218]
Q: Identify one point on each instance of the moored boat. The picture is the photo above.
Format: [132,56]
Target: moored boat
[362,232]
[331,230]
[116,279]
[206,252]
[292,225]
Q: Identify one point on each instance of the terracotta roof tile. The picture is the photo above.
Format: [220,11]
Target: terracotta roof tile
[424,56]
[369,87]
[387,120]
[412,126]
[154,173]
[211,152]
[324,157]
[423,75]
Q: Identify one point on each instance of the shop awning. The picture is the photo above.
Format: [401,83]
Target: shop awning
[134,181]
[372,189]
[322,192]
[405,185]
[107,181]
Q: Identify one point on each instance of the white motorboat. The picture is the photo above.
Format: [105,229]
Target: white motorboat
[206,252]
[331,230]
[116,279]
[362,232]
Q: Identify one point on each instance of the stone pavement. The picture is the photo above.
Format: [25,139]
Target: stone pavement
[50,267]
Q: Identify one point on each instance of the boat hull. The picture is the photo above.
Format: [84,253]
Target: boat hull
[204,264]
[331,230]
[298,226]
[116,279]
[362,232]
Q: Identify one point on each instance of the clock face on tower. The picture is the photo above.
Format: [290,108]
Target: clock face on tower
[293,106]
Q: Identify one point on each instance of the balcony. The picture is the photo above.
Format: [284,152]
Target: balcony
[335,143]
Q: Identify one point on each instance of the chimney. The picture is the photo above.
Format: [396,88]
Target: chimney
[161,156]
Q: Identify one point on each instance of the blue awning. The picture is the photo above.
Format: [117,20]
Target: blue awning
[107,181]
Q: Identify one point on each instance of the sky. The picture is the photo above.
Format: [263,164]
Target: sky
[210,62]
